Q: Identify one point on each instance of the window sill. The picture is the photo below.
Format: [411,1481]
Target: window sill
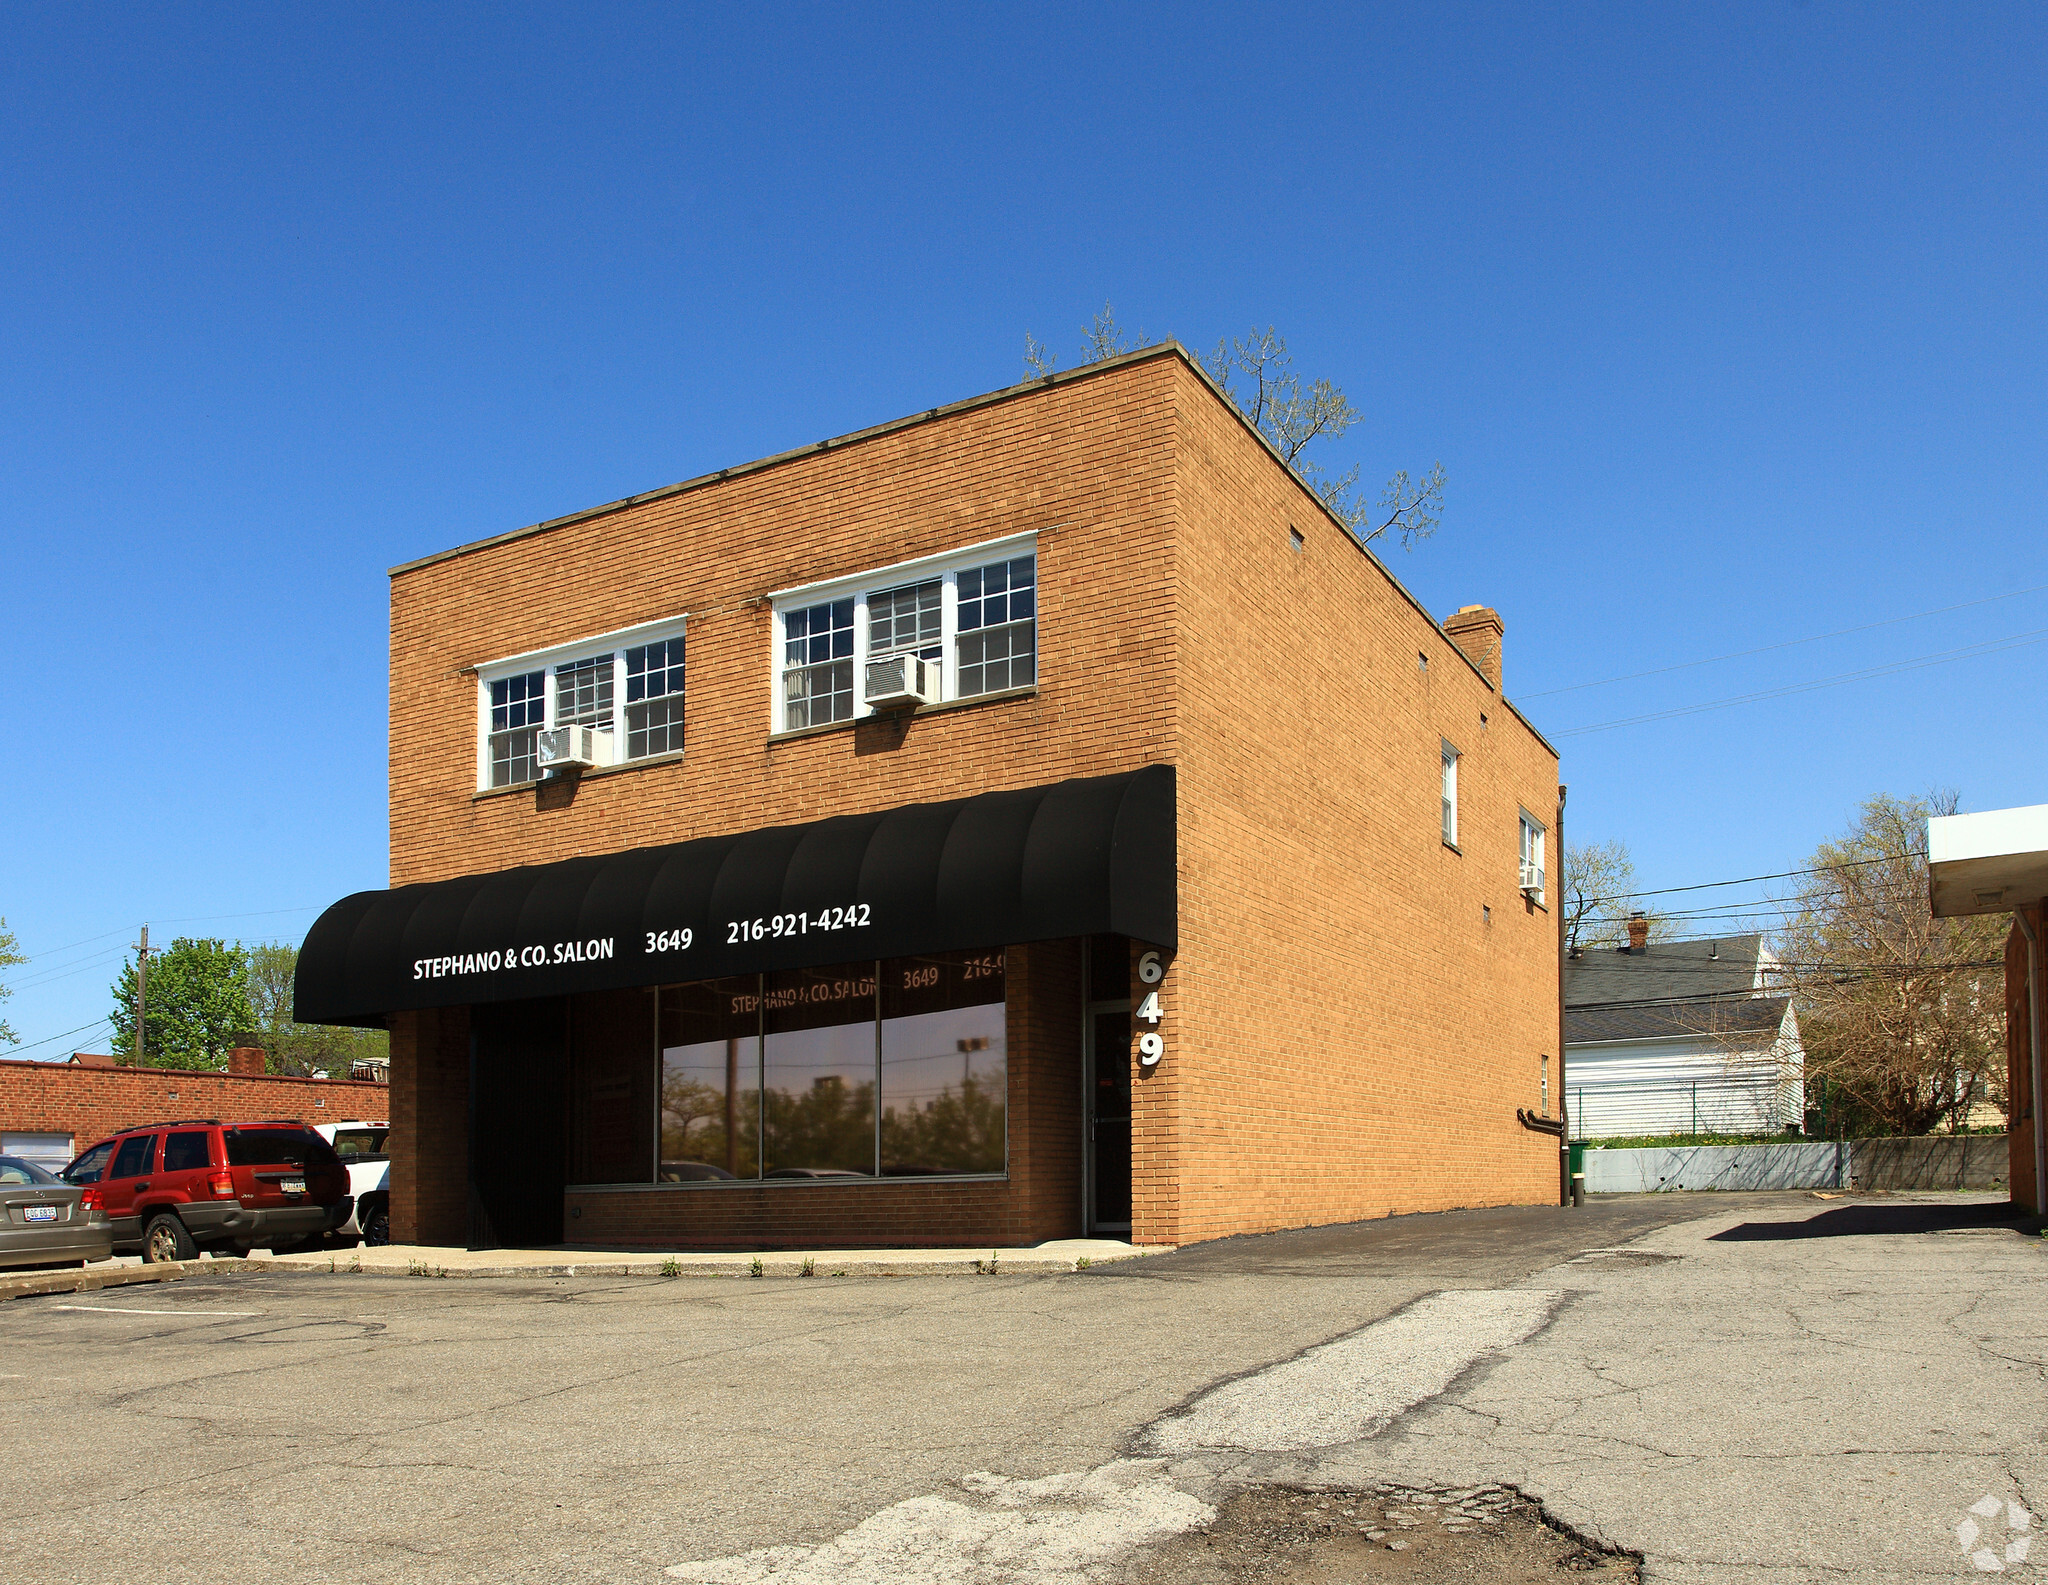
[594,771]
[1453,847]
[919,713]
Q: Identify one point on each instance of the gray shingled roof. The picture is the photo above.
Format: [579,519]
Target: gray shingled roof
[1663,971]
[1657,1020]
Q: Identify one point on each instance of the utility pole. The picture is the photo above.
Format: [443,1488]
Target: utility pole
[141,994]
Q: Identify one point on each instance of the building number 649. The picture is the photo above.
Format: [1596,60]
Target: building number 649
[1151,1044]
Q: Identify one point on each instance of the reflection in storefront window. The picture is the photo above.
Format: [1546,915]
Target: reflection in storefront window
[711,1081]
[778,1075]
[818,1072]
[945,1079]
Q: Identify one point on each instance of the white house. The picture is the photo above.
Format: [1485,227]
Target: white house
[1683,1037]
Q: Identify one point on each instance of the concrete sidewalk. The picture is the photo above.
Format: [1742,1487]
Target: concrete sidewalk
[428,1260]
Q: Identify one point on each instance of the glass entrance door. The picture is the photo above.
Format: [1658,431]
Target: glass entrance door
[1109,1120]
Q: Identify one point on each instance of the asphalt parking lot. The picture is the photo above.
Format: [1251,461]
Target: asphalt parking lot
[1661,1372]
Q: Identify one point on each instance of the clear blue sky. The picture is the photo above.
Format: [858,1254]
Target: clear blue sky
[1725,321]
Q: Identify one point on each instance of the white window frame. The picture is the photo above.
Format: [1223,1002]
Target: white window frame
[1535,838]
[1449,804]
[947,569]
[547,660]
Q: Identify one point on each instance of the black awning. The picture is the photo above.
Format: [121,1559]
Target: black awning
[1085,857]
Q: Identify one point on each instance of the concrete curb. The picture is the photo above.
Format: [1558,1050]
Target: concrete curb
[88,1280]
[345,1264]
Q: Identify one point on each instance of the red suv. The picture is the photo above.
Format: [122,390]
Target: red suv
[173,1189]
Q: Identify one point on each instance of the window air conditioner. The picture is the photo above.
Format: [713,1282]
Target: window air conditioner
[572,748]
[902,682]
[1532,879]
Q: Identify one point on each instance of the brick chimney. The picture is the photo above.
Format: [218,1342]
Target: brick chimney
[246,1062]
[1638,933]
[1477,630]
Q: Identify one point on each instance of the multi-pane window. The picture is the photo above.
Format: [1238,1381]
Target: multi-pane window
[998,626]
[906,619]
[654,698]
[1532,856]
[1450,796]
[817,659]
[518,710]
[973,616]
[583,693]
[523,698]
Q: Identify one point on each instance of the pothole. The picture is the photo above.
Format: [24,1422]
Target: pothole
[1290,1536]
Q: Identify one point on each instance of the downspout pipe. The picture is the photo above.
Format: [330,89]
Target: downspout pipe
[2034,1059]
[1564,1115]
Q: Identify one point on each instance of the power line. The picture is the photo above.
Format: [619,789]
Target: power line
[183,919]
[1790,643]
[1994,646]
[1823,869]
[81,1029]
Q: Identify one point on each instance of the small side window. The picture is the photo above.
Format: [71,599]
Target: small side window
[1450,795]
[1532,877]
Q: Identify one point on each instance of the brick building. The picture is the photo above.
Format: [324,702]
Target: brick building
[1073,829]
[50,1111]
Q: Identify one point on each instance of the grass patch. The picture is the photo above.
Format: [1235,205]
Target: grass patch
[1686,1141]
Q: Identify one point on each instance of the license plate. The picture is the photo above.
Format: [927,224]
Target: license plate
[293,1185]
[41,1213]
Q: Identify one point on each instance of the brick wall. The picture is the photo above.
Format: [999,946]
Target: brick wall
[1348,1034]
[1085,464]
[91,1103]
[429,1141]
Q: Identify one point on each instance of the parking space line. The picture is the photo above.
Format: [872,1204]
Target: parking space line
[117,1309]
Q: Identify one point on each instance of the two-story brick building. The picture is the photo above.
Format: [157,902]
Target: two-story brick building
[1065,826]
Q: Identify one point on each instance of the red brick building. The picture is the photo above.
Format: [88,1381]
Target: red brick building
[50,1111]
[1071,828]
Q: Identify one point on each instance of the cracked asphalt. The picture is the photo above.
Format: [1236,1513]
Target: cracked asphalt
[1757,1387]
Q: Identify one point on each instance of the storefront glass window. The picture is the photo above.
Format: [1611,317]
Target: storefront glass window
[818,1065]
[711,1081]
[945,1078]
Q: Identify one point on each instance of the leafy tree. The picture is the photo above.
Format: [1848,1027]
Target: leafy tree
[1902,1015]
[962,1130]
[197,1005]
[1292,416]
[831,1121]
[296,1048]
[1599,883]
[9,958]
[693,1123]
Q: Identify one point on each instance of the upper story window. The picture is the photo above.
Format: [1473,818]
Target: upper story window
[817,658]
[973,615]
[518,710]
[1450,796]
[654,698]
[1533,834]
[582,685]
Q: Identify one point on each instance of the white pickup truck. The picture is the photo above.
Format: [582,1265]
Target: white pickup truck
[361,1148]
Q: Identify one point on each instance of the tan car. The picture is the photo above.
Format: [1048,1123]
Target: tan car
[45,1221]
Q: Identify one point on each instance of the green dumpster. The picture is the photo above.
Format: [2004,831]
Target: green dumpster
[1575,1169]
